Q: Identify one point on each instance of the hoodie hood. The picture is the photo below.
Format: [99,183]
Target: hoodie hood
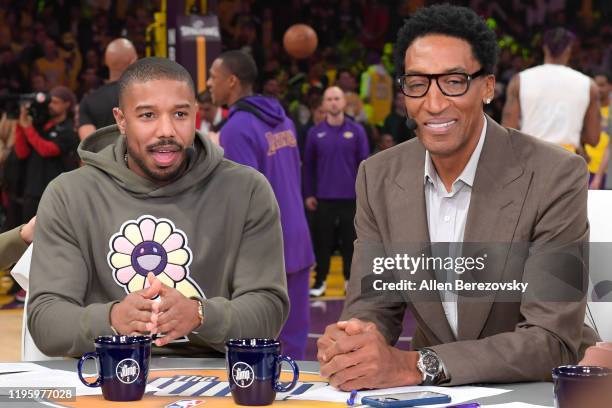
[105,150]
[268,109]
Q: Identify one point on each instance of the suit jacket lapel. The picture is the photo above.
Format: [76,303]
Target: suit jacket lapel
[410,234]
[499,190]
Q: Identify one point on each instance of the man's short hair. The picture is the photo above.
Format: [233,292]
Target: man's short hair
[603,73]
[453,21]
[344,70]
[153,68]
[557,40]
[315,102]
[240,64]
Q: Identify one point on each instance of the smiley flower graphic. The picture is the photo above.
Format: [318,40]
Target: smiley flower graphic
[151,245]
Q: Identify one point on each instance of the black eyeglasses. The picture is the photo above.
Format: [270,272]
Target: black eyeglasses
[451,84]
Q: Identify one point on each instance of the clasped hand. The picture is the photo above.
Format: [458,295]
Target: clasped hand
[174,315]
[354,355]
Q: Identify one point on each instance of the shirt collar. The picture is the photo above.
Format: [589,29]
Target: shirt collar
[468,174]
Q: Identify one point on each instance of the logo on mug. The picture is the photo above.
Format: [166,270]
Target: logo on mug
[127,370]
[243,374]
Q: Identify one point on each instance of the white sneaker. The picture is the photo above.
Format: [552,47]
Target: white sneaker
[317,291]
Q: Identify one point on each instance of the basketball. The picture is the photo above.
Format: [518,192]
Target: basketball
[300,41]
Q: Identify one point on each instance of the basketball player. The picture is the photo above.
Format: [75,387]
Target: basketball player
[552,101]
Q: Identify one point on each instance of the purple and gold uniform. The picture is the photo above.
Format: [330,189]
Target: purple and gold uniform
[264,138]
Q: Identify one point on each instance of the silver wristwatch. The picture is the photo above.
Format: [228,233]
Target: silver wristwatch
[432,368]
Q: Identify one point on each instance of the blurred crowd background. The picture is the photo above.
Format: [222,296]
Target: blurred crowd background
[48,43]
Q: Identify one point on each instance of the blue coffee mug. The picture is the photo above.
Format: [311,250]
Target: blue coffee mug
[582,386]
[123,366]
[254,368]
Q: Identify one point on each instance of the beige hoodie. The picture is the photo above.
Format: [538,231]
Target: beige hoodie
[214,233]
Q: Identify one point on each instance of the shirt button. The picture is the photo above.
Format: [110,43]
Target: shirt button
[446,218]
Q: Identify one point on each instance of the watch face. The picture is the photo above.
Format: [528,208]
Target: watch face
[431,364]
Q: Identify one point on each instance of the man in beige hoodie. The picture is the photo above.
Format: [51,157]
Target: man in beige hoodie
[156,199]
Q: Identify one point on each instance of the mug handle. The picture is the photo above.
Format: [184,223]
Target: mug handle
[296,374]
[95,356]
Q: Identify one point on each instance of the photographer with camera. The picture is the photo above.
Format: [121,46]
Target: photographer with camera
[47,148]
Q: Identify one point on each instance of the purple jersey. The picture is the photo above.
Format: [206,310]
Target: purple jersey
[331,159]
[265,139]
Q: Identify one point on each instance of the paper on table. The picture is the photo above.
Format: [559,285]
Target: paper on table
[21,270]
[516,405]
[457,394]
[52,379]
[20,367]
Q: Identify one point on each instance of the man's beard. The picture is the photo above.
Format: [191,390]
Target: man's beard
[54,115]
[162,177]
[336,113]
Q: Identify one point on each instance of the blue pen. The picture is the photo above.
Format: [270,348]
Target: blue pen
[351,400]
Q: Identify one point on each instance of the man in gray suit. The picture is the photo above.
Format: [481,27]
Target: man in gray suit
[465,179]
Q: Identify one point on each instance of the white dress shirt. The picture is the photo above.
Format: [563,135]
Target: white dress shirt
[446,217]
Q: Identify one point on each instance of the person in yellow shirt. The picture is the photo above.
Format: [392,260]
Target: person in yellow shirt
[599,155]
[52,65]
[376,91]
[73,59]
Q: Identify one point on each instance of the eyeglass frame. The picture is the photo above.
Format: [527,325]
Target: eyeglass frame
[469,77]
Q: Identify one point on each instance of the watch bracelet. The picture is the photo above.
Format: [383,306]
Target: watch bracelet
[443,376]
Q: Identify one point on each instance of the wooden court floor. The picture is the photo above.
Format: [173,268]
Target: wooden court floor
[10,334]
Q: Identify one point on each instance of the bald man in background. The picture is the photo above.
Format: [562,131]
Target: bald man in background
[334,148]
[96,108]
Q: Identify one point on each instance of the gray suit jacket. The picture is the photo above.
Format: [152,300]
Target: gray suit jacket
[525,190]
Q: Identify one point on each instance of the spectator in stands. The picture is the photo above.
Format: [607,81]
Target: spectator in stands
[347,18]
[12,179]
[386,142]
[12,79]
[599,155]
[354,107]
[209,115]
[375,24]
[376,90]
[51,65]
[38,83]
[92,59]
[271,87]
[74,61]
[346,81]
[89,82]
[395,123]
[317,115]
[96,109]
[7,136]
